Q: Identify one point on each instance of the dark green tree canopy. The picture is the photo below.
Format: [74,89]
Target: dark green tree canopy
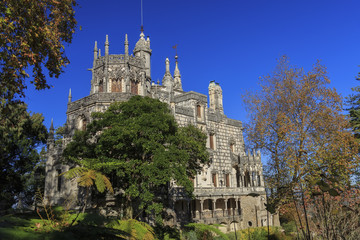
[139,145]
[21,134]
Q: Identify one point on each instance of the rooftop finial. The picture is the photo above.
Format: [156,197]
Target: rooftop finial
[167,65]
[107,45]
[126,45]
[95,52]
[70,97]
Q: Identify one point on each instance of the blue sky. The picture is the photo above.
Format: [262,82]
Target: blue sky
[231,42]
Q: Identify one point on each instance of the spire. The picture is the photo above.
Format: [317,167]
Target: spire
[99,52]
[69,97]
[126,45]
[95,53]
[107,46]
[177,76]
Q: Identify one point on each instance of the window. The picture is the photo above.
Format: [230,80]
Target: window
[214,179]
[83,127]
[212,146]
[116,85]
[227,180]
[198,111]
[232,147]
[134,87]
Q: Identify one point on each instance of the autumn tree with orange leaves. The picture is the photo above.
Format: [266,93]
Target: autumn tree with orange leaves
[296,120]
[33,33]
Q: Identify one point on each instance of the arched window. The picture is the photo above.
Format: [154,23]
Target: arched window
[82,123]
[198,111]
[232,147]
[212,142]
[214,179]
[227,180]
[116,85]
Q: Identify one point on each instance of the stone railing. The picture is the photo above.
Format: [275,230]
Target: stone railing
[226,191]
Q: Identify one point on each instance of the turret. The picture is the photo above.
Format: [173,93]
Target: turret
[177,76]
[142,50]
[216,97]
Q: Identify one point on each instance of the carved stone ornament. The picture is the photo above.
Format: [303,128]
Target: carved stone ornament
[99,75]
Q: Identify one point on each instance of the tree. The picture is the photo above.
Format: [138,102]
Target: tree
[296,120]
[140,147]
[32,36]
[353,102]
[21,134]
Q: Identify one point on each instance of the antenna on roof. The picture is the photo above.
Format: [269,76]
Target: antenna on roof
[142,18]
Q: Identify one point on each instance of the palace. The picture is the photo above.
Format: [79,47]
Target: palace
[230,191]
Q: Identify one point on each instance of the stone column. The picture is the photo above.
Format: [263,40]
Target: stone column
[201,208]
[236,206]
[226,213]
[214,207]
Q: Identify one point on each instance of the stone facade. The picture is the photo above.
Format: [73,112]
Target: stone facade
[230,191]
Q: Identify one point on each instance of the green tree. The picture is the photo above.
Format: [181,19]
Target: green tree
[32,34]
[353,102]
[140,147]
[296,119]
[21,134]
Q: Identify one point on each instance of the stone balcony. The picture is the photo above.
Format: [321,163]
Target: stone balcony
[227,191]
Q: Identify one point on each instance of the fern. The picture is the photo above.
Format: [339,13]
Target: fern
[87,178]
[203,229]
[137,230]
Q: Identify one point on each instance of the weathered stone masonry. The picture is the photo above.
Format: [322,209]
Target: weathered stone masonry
[230,191]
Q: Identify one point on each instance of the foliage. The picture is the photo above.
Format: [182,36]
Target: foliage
[87,178]
[140,147]
[167,232]
[259,233]
[296,120]
[135,230]
[32,36]
[21,133]
[353,103]
[331,212]
[28,226]
[206,232]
